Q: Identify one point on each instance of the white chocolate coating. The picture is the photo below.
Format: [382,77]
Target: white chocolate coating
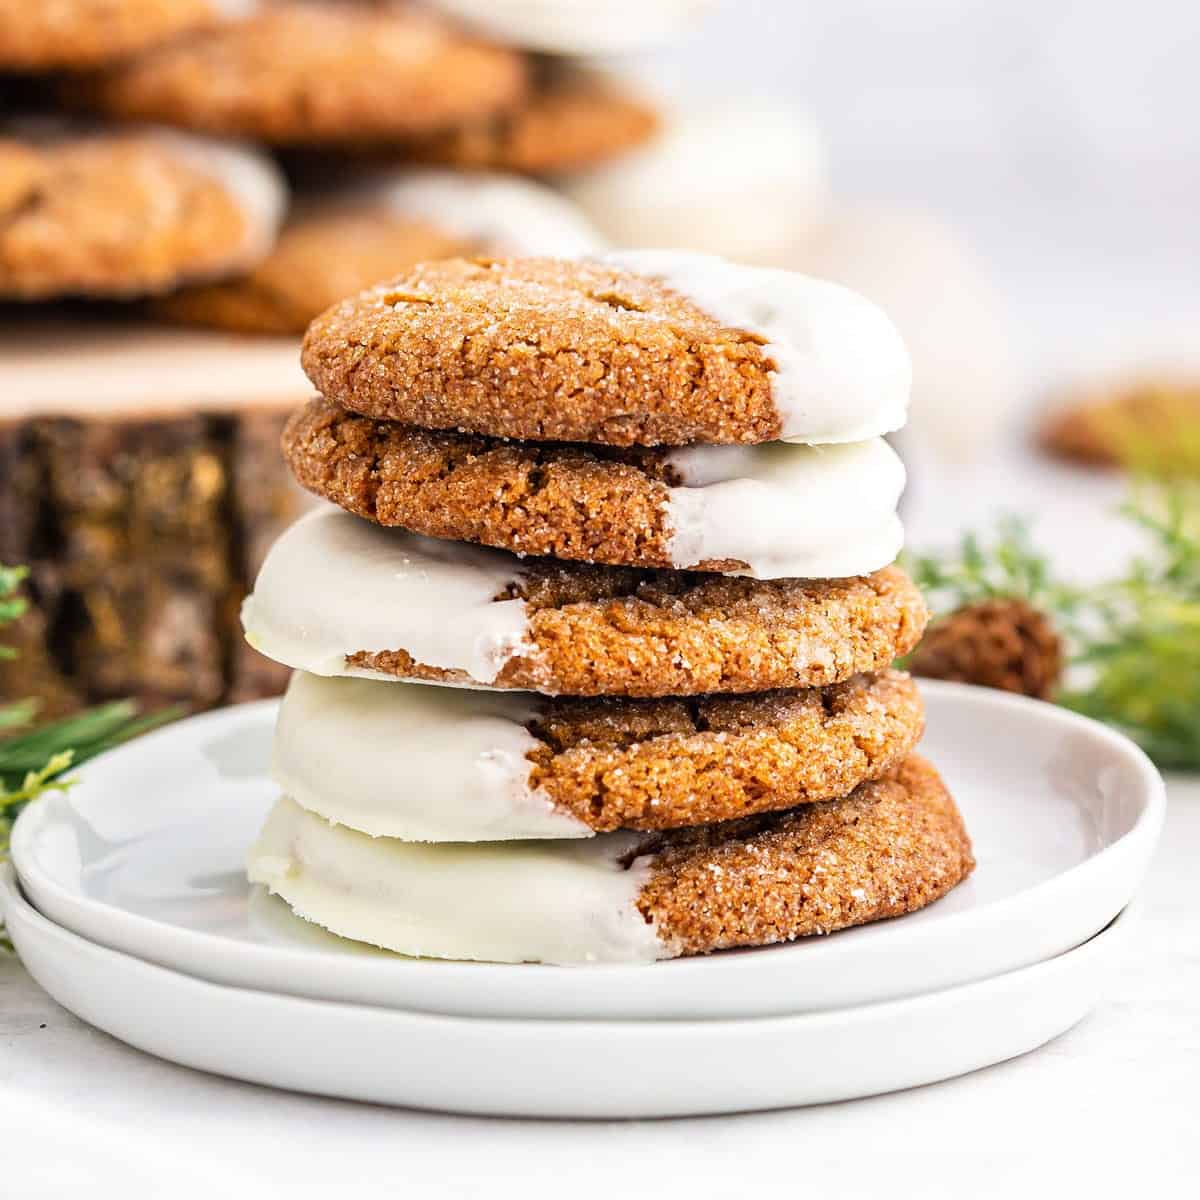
[334,584]
[531,901]
[425,764]
[790,512]
[577,26]
[503,214]
[841,374]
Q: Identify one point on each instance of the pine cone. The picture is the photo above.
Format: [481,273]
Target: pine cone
[1002,643]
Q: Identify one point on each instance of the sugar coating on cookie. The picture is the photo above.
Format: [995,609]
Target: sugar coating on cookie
[40,35]
[773,511]
[581,27]
[450,765]
[339,240]
[296,72]
[128,212]
[636,348]
[340,596]
[890,847]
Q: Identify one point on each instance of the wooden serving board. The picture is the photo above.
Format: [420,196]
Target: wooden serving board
[141,480]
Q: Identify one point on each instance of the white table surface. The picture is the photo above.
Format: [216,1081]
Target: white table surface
[1114,1100]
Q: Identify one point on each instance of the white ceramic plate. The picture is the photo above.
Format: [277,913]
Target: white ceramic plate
[559,1068]
[146,854]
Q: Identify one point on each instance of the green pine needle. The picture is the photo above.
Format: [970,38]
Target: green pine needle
[36,762]
[1133,642]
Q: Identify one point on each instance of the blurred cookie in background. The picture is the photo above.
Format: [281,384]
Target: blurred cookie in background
[340,241]
[298,71]
[580,26]
[45,35]
[746,181]
[573,119]
[141,481]
[1150,423]
[952,318]
[121,213]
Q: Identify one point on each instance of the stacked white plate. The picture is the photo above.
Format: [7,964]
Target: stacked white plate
[129,905]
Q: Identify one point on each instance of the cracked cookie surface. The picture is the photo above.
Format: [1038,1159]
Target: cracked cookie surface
[613,631]
[300,73]
[663,764]
[586,503]
[891,847]
[543,349]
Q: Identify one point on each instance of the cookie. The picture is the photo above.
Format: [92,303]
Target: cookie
[572,120]
[73,34]
[891,847]
[776,511]
[455,765]
[1151,423]
[126,213]
[587,27]
[637,348]
[340,596]
[296,72]
[339,241]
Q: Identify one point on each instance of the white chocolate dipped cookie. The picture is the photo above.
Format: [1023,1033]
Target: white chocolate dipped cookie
[454,765]
[640,348]
[890,847]
[120,213]
[775,511]
[340,596]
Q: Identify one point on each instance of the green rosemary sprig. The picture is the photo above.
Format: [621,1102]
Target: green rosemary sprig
[1007,565]
[1138,668]
[38,760]
[1133,643]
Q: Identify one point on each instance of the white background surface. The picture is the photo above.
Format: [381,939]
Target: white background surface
[1106,1109]
[1062,136]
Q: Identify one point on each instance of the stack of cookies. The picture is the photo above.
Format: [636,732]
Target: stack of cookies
[593,645]
[233,167]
